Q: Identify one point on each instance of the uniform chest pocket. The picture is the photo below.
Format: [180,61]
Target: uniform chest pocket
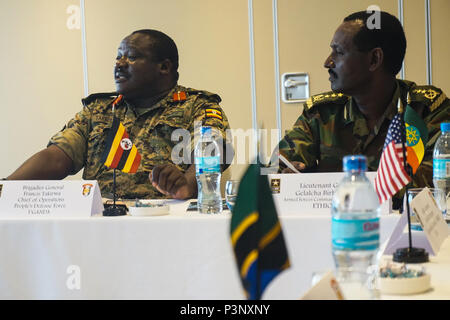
[160,141]
[97,143]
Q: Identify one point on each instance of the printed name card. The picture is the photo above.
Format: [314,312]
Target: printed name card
[309,193]
[430,216]
[50,198]
[435,229]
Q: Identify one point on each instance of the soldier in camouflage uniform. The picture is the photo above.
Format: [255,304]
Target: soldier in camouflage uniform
[355,116]
[152,108]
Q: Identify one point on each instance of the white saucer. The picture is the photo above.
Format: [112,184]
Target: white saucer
[405,285]
[158,208]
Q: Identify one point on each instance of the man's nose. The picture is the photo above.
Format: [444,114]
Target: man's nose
[121,62]
[329,63]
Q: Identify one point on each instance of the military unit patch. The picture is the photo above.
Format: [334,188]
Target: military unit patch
[214,113]
[87,189]
[275,185]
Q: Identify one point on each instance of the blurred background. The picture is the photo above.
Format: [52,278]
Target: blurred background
[55,52]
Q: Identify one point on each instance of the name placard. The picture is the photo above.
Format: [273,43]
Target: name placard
[430,216]
[309,193]
[50,198]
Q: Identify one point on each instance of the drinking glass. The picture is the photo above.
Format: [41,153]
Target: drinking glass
[231,190]
[353,284]
[438,195]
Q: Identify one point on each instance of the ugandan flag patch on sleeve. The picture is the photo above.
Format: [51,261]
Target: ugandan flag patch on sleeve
[214,113]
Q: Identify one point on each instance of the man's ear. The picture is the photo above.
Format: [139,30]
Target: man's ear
[376,58]
[165,67]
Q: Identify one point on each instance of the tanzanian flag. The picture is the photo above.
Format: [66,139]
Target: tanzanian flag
[416,138]
[256,234]
[120,153]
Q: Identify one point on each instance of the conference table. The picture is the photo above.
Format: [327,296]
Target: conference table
[180,256]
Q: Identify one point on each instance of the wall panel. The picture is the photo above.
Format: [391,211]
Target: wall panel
[440,44]
[41,80]
[42,75]
[305,31]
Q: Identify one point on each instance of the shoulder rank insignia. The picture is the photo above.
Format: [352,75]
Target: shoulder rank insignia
[179,96]
[116,101]
[427,93]
[101,95]
[318,98]
[434,95]
[213,113]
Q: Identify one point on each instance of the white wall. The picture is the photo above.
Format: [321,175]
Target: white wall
[41,83]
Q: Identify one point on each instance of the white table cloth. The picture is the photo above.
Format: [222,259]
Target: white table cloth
[183,255]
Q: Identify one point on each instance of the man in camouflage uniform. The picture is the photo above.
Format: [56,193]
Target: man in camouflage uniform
[152,108]
[355,116]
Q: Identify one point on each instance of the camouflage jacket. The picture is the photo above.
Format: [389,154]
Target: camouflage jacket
[150,129]
[332,126]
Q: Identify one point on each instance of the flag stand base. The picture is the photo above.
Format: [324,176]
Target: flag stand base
[111,211]
[411,255]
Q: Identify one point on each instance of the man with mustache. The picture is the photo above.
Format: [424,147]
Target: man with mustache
[354,117]
[153,106]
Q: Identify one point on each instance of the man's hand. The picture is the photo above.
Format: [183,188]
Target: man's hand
[169,180]
[297,164]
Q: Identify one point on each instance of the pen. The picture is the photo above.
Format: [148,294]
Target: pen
[287,163]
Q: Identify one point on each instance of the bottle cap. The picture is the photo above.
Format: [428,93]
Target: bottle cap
[205,130]
[445,126]
[355,163]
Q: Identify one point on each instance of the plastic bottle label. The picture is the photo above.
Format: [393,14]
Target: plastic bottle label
[355,234]
[441,168]
[207,165]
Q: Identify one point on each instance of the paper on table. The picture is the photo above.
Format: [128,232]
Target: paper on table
[326,289]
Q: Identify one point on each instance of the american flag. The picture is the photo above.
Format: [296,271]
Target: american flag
[391,174]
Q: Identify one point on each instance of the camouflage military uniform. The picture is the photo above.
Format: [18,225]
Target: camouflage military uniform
[83,138]
[331,127]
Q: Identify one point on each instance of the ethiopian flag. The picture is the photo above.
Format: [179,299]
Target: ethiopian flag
[120,153]
[416,138]
[256,234]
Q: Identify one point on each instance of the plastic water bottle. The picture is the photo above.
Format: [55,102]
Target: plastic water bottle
[355,225]
[207,168]
[441,161]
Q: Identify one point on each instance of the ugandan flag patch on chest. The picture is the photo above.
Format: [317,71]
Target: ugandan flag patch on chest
[213,113]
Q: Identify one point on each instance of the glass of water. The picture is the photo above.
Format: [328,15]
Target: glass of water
[438,195]
[231,190]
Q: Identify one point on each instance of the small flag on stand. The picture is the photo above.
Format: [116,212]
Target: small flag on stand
[256,234]
[120,153]
[416,137]
[391,173]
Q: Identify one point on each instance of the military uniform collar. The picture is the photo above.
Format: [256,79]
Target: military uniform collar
[352,114]
[391,109]
[159,101]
